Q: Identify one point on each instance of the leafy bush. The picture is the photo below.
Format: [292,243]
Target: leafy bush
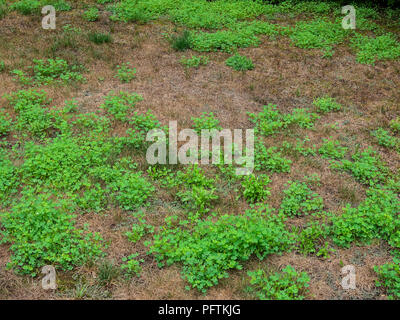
[139,12]
[206,121]
[5,124]
[254,188]
[389,277]
[385,139]
[49,71]
[395,124]
[99,38]
[139,230]
[298,148]
[65,162]
[369,50]
[194,61]
[268,121]
[213,15]
[141,125]
[375,217]
[132,266]
[131,190]
[326,104]
[311,238]
[42,232]
[214,246]
[299,200]
[198,191]
[286,285]
[59,5]
[32,115]
[270,159]
[302,117]
[241,35]
[119,105]
[317,34]
[332,149]
[26,7]
[91,14]
[365,167]
[239,63]
[125,73]
[9,179]
[197,199]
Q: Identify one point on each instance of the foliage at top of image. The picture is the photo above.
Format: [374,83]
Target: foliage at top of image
[3,9]
[285,285]
[91,14]
[213,247]
[239,63]
[369,49]
[240,35]
[193,14]
[27,7]
[49,71]
[317,34]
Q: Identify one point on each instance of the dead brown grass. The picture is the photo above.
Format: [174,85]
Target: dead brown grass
[284,75]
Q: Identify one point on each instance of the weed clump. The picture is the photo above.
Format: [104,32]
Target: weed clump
[42,232]
[181,42]
[326,104]
[239,63]
[285,285]
[212,247]
[99,38]
[91,14]
[300,200]
[125,73]
[369,50]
